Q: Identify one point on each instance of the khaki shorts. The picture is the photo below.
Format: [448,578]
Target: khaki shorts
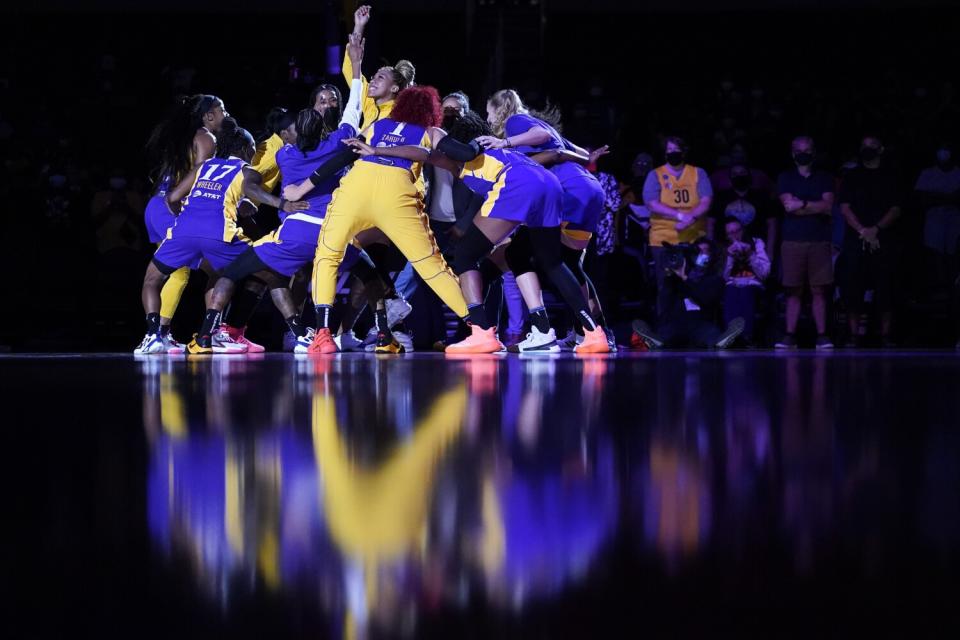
[807,263]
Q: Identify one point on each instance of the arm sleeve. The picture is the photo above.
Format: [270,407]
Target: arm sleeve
[759,261]
[459,151]
[352,112]
[337,162]
[651,188]
[704,188]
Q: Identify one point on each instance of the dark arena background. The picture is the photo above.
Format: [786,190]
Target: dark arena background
[794,474]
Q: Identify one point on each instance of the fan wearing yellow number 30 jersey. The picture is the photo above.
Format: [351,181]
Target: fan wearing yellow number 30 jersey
[678,196]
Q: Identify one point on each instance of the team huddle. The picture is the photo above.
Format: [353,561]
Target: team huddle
[351,176]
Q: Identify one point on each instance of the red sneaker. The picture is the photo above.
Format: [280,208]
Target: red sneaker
[593,342]
[479,341]
[637,343]
[322,342]
[237,334]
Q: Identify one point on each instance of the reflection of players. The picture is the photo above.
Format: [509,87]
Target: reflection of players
[675,482]
[210,498]
[377,514]
[548,498]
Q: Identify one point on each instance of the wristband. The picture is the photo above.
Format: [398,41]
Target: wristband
[280,208]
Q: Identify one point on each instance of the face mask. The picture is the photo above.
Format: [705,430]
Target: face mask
[803,158]
[702,260]
[868,154]
[449,121]
[943,157]
[740,183]
[675,158]
[331,118]
[118,184]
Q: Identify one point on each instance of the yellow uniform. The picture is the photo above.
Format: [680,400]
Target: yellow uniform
[265,162]
[383,193]
[371,110]
[376,516]
[681,193]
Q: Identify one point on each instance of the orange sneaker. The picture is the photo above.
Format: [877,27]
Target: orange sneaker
[479,341]
[322,342]
[593,342]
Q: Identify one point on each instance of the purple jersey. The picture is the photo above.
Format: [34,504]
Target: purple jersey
[297,166]
[481,173]
[522,122]
[390,133]
[210,210]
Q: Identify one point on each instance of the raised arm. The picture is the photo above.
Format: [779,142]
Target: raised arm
[360,19]
[352,111]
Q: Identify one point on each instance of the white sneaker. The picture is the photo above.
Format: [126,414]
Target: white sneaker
[303,344]
[152,343]
[171,345]
[222,342]
[397,310]
[348,342]
[570,342]
[537,342]
[405,340]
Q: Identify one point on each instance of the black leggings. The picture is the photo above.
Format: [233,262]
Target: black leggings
[573,258]
[539,248]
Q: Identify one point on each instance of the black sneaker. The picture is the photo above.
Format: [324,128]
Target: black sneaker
[788,341]
[734,329]
[643,330]
[824,343]
[386,343]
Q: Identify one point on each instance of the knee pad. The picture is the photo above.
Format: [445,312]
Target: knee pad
[248,262]
[471,248]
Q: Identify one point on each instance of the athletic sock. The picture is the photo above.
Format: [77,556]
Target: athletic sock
[588,323]
[153,323]
[323,315]
[210,321]
[478,315]
[540,320]
[296,327]
[164,330]
[380,319]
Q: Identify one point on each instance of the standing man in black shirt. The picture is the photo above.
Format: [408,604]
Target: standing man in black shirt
[806,253]
[870,202]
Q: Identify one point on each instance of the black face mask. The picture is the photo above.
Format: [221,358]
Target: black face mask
[868,154]
[675,158]
[448,122]
[803,158]
[740,183]
[331,118]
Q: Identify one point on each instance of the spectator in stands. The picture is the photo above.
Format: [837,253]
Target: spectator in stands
[691,295]
[748,204]
[806,194]
[678,196]
[721,178]
[747,267]
[938,194]
[870,201]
